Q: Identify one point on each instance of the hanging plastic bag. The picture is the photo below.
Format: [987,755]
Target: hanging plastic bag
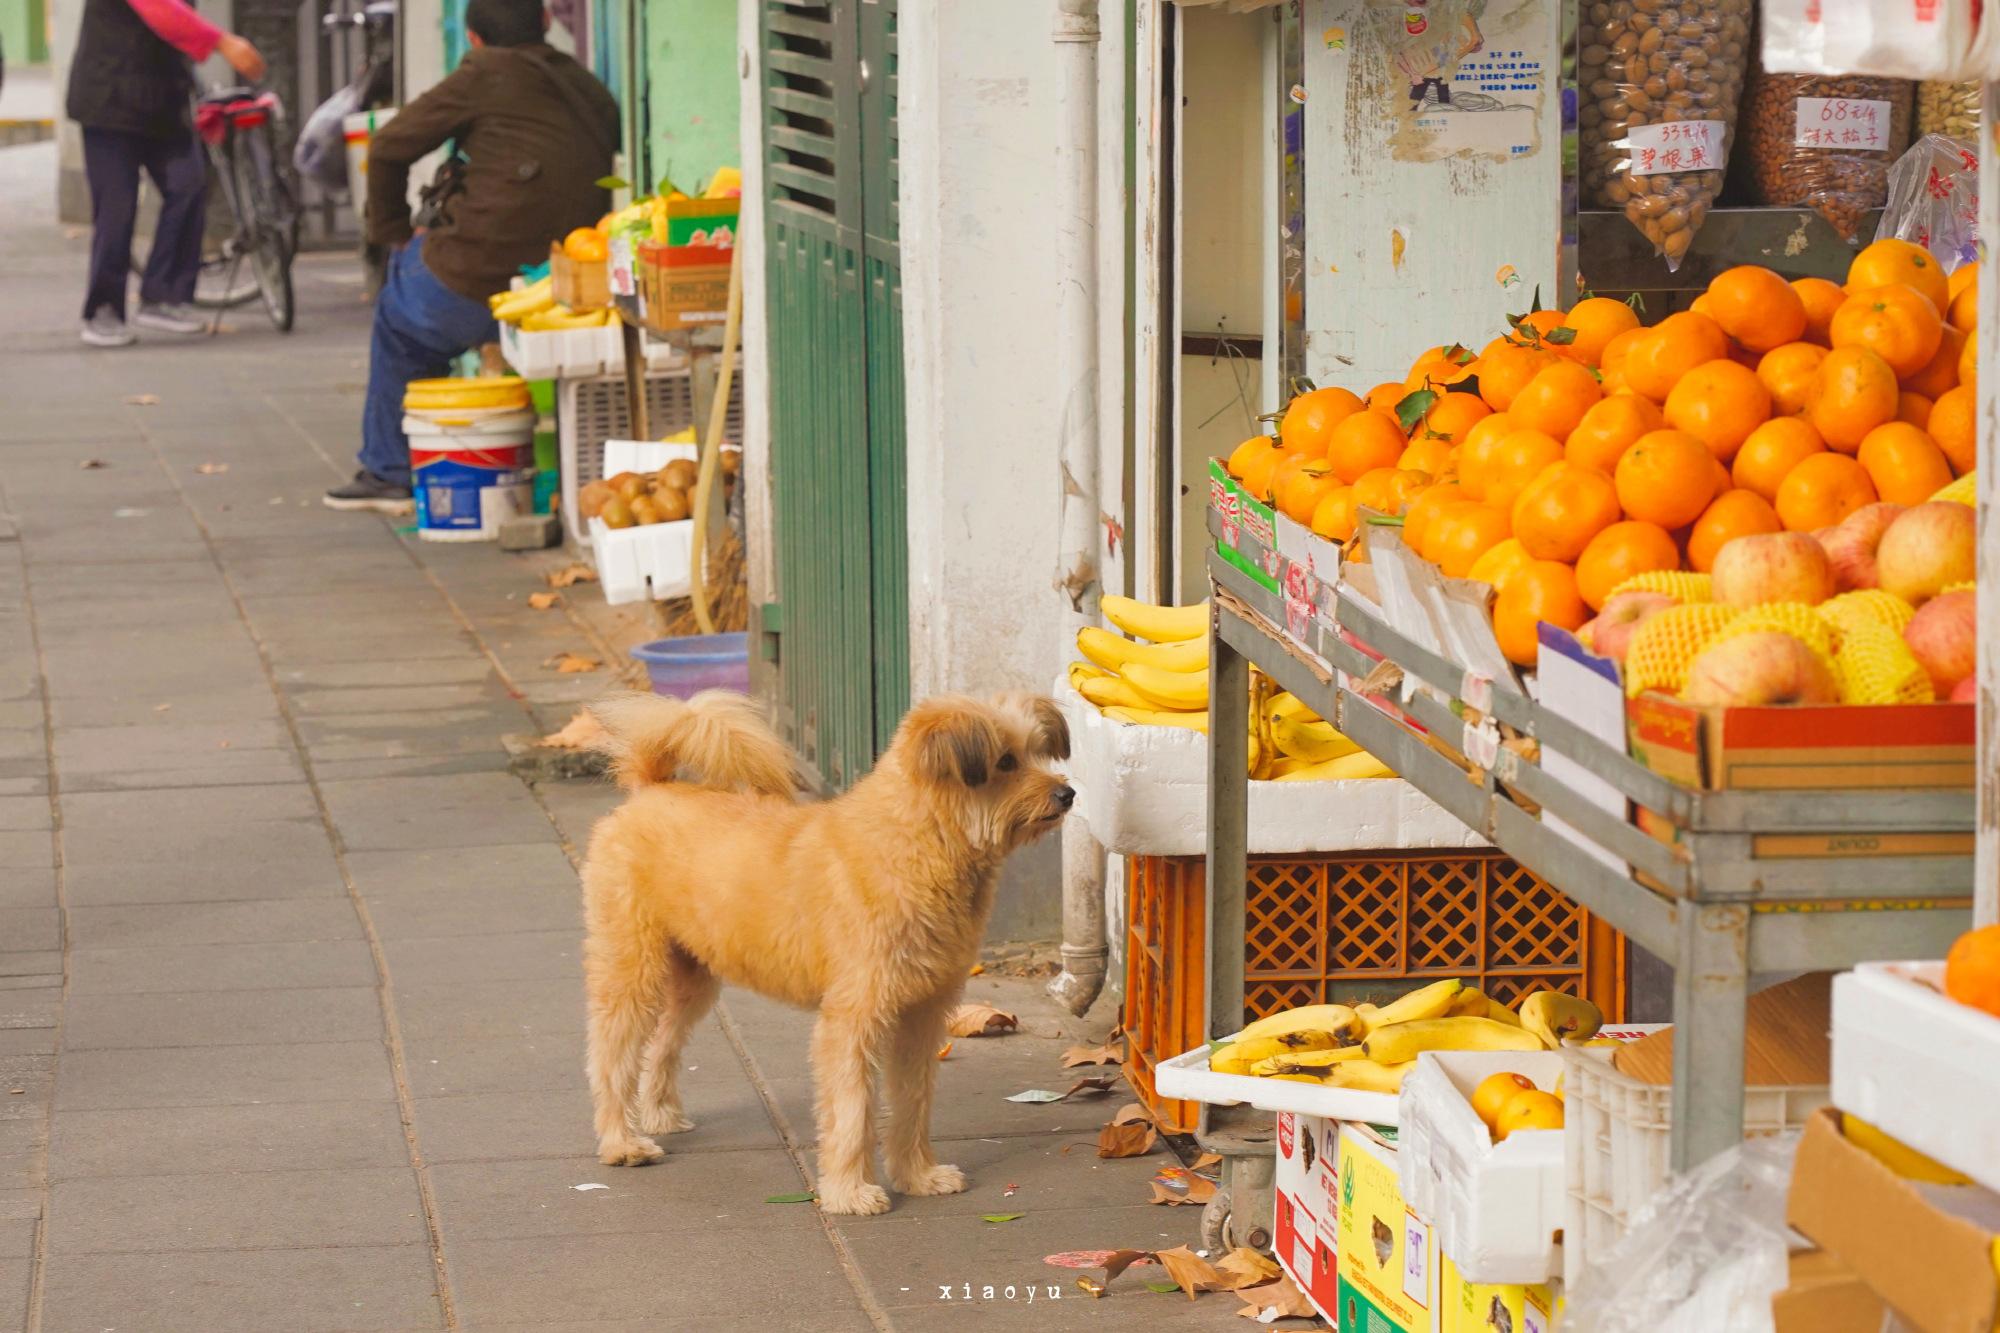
[1824,144]
[1704,1256]
[321,152]
[1893,39]
[1934,199]
[1658,87]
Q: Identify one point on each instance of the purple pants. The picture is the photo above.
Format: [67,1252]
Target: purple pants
[112,161]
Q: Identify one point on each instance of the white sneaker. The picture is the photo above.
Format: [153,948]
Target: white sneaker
[105,329]
[179,319]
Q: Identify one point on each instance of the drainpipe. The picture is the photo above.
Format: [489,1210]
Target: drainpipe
[1084,949]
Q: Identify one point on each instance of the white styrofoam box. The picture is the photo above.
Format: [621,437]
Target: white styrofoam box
[577,353]
[1919,1065]
[593,410]
[652,561]
[1144,792]
[1616,1133]
[1189,1078]
[1497,1206]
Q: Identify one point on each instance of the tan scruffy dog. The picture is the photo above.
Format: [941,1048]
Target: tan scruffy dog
[868,907]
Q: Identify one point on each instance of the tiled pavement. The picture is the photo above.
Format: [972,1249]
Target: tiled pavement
[290,1018]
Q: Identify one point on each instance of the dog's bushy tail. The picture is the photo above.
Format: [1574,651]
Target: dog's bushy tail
[716,739]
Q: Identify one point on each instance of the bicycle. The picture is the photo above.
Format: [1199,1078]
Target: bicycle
[235,124]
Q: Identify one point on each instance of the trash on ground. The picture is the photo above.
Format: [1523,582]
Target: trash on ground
[1001,1217]
[590,1185]
[542,601]
[803,1196]
[577,572]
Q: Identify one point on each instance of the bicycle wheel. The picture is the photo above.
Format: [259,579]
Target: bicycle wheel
[267,229]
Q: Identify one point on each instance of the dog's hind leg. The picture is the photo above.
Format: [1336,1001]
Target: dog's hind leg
[623,972]
[689,993]
[909,1078]
[842,1054]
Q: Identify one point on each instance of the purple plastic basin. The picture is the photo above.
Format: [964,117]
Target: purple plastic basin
[686,666]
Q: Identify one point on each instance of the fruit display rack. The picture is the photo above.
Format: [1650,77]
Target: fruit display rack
[1731,897]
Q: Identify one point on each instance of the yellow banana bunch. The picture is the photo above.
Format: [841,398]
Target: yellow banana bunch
[1396,1043]
[562,317]
[1144,717]
[1113,692]
[1240,1056]
[1337,1019]
[1432,1001]
[1554,1017]
[1371,1075]
[1112,653]
[1161,624]
[1473,1002]
[1307,1066]
[513,307]
[1165,689]
[1079,672]
[1347,768]
[1313,741]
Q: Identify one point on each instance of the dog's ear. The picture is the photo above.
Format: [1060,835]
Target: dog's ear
[1047,728]
[952,739]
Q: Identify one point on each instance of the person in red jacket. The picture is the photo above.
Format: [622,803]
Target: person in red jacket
[130,83]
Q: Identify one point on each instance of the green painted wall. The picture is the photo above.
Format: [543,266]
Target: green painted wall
[21,32]
[690,90]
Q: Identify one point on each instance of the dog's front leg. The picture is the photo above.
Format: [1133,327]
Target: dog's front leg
[842,1055]
[910,1079]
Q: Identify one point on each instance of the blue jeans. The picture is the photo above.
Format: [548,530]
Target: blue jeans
[420,325]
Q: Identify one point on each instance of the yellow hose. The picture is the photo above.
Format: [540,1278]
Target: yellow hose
[711,450]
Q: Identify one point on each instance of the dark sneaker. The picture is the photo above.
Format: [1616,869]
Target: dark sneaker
[179,319]
[368,491]
[105,329]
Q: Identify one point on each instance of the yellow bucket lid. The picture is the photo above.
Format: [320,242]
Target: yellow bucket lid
[476,382]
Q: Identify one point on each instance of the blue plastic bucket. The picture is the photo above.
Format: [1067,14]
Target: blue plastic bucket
[470,472]
[684,667]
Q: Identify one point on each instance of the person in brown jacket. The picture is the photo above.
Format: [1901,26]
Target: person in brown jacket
[537,132]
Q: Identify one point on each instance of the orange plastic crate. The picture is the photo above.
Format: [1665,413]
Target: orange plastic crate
[1348,928]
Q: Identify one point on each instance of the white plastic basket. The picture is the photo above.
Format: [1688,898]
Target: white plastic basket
[1189,1078]
[593,410]
[1615,1147]
[656,560]
[578,353]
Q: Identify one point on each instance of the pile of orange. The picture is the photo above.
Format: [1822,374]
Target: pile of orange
[1584,447]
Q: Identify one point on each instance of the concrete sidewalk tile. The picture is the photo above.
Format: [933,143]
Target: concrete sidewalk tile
[199,1140]
[24,814]
[474,731]
[271,921]
[537,954]
[16,1280]
[219,1018]
[244,1291]
[168,742]
[479,759]
[468,912]
[27,1041]
[268,1209]
[469,809]
[716,1191]
[459,1066]
[31,927]
[535,865]
[157,811]
[213,967]
[535,1008]
[30,962]
[464,670]
[701,1281]
[556,1122]
[366,700]
[347,1071]
[30,1008]
[259,768]
[235,879]
[26,851]
[27,888]
[577,805]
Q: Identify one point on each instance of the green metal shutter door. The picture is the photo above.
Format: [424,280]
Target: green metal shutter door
[834,316]
[888,484]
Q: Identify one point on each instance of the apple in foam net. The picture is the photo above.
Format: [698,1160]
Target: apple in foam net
[1850,545]
[1613,629]
[1772,567]
[1752,670]
[1928,548]
[1966,691]
[1944,638]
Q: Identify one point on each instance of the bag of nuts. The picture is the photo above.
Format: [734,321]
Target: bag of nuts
[1948,108]
[1825,144]
[1659,82]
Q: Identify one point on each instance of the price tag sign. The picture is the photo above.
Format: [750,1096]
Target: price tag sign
[1679,145]
[1843,122]
[623,282]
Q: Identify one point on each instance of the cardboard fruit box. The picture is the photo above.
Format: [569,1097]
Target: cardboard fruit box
[684,280]
[579,286]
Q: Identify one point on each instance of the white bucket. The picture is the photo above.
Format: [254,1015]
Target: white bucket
[471,470]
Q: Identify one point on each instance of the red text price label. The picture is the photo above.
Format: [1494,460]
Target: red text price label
[1678,145]
[1843,122]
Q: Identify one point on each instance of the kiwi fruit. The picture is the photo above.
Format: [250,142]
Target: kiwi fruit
[645,512]
[732,462]
[631,485]
[590,500]
[680,473]
[617,512]
[672,502]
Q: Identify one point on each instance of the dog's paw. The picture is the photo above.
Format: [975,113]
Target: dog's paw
[663,1120]
[629,1152]
[854,1201]
[932,1180]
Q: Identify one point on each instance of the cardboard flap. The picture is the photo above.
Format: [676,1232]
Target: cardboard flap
[1933,1265]
[1825,1296]
[1786,1039]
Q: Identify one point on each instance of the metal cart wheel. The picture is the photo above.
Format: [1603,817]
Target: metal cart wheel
[1216,1234]
[1239,1213]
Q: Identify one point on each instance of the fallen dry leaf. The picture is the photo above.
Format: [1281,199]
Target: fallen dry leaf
[980,1020]
[569,574]
[1173,1186]
[944,1050]
[542,601]
[1243,1267]
[143,400]
[1092,1055]
[1089,1085]
[582,732]
[89,463]
[1128,1140]
[1131,1111]
[1193,1273]
[1081,1258]
[1206,1160]
[977,968]
[1120,1260]
[567,664]
[1282,1296]
[211,469]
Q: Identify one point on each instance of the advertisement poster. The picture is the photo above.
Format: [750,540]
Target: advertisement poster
[1460,78]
